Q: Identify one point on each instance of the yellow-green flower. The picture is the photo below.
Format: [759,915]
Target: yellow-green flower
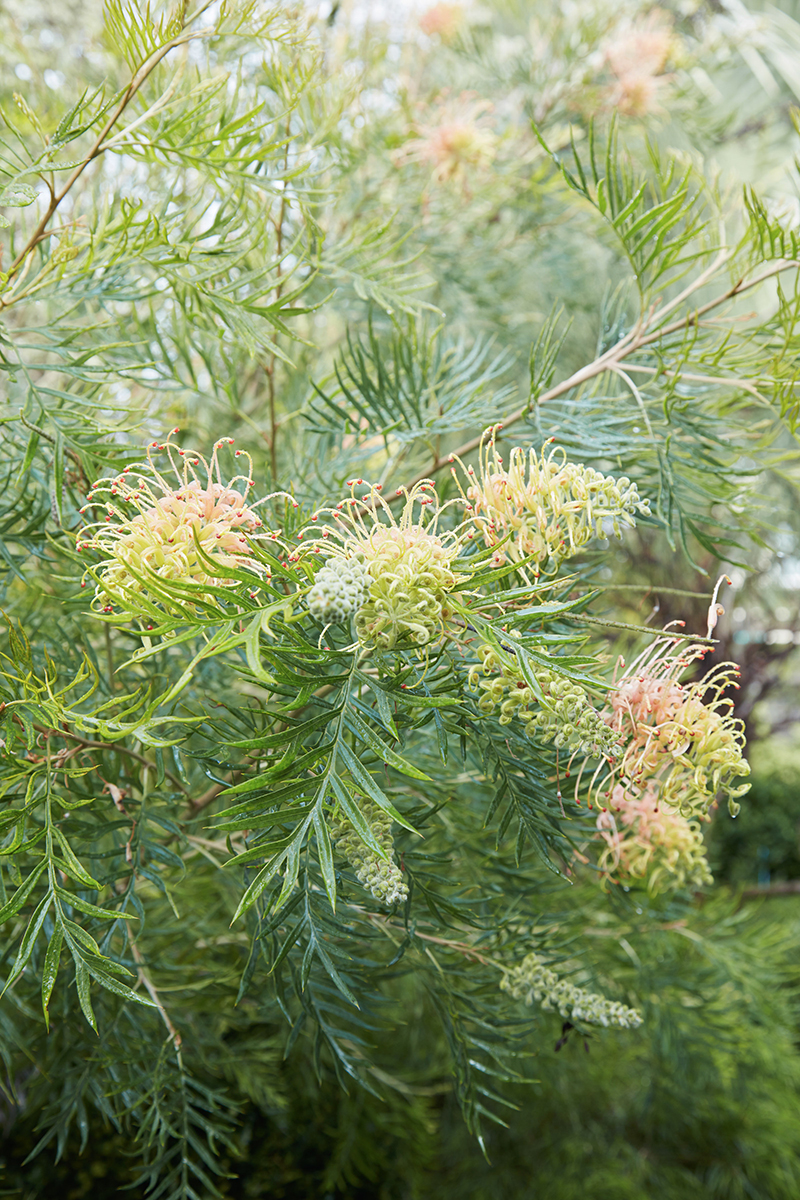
[563,715]
[543,507]
[409,566]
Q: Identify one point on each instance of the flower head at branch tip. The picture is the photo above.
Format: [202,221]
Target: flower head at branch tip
[562,715]
[532,981]
[380,876]
[648,841]
[396,575]
[680,738]
[543,507]
[171,527]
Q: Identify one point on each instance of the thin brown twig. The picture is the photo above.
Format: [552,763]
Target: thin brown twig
[633,341]
[92,745]
[139,78]
[145,979]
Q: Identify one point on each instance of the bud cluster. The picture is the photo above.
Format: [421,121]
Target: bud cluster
[339,590]
[532,980]
[544,507]
[381,877]
[681,737]
[646,841]
[564,716]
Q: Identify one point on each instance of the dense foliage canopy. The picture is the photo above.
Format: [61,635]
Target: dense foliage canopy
[354,372]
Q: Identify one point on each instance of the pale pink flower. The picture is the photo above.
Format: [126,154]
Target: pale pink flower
[443,19]
[646,841]
[679,737]
[159,529]
[455,142]
[637,55]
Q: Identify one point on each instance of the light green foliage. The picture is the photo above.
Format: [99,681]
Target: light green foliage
[239,221]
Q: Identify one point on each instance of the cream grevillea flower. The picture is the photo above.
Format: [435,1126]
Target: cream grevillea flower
[542,506]
[533,981]
[680,737]
[409,565]
[174,526]
[455,141]
[645,840]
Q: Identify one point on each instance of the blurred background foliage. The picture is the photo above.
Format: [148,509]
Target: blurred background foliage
[423,204]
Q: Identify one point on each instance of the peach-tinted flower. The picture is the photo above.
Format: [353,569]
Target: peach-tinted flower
[455,142]
[645,840]
[159,529]
[446,20]
[679,737]
[637,55]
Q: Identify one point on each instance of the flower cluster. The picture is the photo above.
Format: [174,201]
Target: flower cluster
[409,567]
[159,529]
[384,879]
[532,980]
[680,737]
[563,716]
[339,590]
[446,20]
[455,143]
[542,506]
[645,840]
[636,56]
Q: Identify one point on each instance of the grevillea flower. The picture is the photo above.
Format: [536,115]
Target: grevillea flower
[409,565]
[443,19]
[542,506]
[170,527]
[637,55]
[455,143]
[680,737]
[533,981]
[645,840]
[563,716]
[380,876]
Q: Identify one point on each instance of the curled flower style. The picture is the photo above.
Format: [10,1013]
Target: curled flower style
[455,143]
[645,840]
[409,567]
[170,527]
[382,878]
[542,506]
[533,981]
[563,716]
[680,737]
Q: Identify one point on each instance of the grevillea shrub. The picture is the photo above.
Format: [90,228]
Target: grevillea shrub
[313,514]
